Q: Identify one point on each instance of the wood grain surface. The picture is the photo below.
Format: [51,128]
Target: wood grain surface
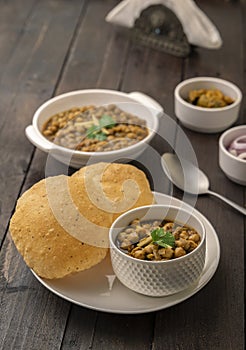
[53,46]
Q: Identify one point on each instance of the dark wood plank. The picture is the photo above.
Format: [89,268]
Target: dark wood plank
[27,320]
[109,332]
[37,170]
[91,63]
[29,78]
[80,329]
[212,319]
[226,288]
[124,332]
[12,23]
[79,332]
[110,69]
[74,335]
[155,74]
[195,323]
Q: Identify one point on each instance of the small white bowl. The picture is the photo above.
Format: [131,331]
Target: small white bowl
[158,278]
[232,166]
[206,120]
[135,102]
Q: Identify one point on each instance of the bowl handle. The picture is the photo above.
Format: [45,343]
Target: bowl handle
[147,101]
[36,140]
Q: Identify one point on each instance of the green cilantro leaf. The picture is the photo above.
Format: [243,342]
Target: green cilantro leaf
[95,131]
[106,122]
[101,136]
[162,238]
[92,131]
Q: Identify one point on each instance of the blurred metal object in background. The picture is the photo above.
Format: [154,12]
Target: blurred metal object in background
[159,28]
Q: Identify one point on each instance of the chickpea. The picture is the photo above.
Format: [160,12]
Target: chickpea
[195,237]
[140,229]
[133,237]
[47,132]
[129,230]
[147,226]
[122,236]
[166,253]
[55,124]
[184,234]
[142,232]
[111,107]
[180,242]
[168,226]
[156,254]
[177,232]
[193,245]
[131,135]
[149,248]
[62,125]
[150,256]
[179,251]
[135,222]
[139,254]
[125,244]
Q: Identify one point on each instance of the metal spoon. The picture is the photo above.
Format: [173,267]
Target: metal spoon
[191,179]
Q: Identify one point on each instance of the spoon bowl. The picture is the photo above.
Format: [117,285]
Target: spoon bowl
[191,179]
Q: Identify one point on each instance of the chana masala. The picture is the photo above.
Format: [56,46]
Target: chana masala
[95,129]
[157,240]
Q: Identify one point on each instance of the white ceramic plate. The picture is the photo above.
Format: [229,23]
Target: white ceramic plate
[99,289]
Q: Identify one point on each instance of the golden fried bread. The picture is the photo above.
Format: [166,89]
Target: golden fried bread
[61,224]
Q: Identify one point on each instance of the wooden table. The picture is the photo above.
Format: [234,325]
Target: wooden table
[53,46]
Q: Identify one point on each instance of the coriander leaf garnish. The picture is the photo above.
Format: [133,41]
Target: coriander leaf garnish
[101,136]
[163,238]
[106,122]
[96,131]
[92,131]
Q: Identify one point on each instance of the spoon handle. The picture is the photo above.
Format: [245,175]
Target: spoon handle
[228,201]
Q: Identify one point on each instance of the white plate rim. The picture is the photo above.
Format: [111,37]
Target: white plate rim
[210,268]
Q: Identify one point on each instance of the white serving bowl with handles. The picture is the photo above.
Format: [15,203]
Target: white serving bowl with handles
[202,119]
[158,278]
[232,166]
[134,102]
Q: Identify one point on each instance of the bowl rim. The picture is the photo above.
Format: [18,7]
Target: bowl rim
[54,147]
[147,262]
[223,147]
[207,79]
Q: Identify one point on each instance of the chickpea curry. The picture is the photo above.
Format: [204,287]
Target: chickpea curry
[157,240]
[95,129]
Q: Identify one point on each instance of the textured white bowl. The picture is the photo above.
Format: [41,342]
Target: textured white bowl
[157,278]
[233,167]
[206,120]
[135,102]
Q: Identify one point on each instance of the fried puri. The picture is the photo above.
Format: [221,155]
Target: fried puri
[60,225]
